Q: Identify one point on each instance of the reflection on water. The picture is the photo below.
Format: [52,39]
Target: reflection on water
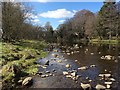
[92,54]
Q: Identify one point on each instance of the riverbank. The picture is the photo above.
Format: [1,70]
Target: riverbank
[18,60]
[98,41]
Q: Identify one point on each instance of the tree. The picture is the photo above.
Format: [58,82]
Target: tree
[49,33]
[118,20]
[12,19]
[107,16]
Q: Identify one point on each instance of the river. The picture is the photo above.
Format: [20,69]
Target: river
[90,56]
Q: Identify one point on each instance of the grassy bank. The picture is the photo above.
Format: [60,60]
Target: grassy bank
[18,59]
[98,41]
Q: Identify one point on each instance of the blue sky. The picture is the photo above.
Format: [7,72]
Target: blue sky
[57,12]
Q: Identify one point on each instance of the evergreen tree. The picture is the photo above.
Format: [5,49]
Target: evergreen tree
[107,16]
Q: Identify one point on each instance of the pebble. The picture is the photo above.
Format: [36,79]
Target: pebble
[90,80]
[76,60]
[99,52]
[68,53]
[92,53]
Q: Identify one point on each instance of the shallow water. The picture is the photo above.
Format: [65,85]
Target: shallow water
[86,56]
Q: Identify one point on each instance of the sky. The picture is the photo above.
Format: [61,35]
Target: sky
[57,12]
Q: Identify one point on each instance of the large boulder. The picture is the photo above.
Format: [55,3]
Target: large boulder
[27,81]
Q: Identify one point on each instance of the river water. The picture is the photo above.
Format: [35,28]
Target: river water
[78,57]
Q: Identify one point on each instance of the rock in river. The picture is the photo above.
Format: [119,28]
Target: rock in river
[108,86]
[83,68]
[73,74]
[47,62]
[92,65]
[105,75]
[108,83]
[59,61]
[86,86]
[67,66]
[65,73]
[27,81]
[99,87]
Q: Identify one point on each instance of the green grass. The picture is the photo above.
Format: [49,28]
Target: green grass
[23,55]
[98,41]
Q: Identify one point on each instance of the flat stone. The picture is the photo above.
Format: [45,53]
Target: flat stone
[68,76]
[99,87]
[92,53]
[104,75]
[85,86]
[27,81]
[83,68]
[47,71]
[108,57]
[68,53]
[109,83]
[65,73]
[43,76]
[112,79]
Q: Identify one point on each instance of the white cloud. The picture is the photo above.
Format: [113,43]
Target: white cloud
[61,21]
[31,15]
[35,20]
[59,13]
